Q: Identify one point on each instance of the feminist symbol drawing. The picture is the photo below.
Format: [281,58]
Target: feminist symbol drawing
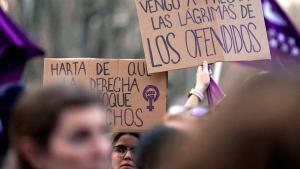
[151,94]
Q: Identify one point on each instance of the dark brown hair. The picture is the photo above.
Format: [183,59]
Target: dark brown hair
[37,114]
[117,136]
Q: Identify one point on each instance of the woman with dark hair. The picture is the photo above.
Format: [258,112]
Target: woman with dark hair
[124,143]
[122,155]
[60,127]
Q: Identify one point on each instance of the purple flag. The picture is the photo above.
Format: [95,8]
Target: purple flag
[15,50]
[215,94]
[284,39]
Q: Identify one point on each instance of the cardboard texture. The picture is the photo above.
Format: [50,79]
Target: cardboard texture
[136,100]
[183,33]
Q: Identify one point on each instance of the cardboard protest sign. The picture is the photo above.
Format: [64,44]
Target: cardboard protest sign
[182,33]
[136,101]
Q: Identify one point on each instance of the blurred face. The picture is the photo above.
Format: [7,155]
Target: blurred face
[80,140]
[122,153]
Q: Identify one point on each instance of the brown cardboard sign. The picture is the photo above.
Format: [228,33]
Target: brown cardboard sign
[136,100]
[183,33]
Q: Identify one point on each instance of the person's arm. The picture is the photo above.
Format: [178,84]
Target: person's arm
[202,83]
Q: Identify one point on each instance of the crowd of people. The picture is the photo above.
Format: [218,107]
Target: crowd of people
[257,127]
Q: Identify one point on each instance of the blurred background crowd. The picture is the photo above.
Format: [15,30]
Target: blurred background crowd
[108,29]
[255,127]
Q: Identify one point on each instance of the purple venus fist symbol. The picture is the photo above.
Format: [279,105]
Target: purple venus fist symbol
[151,94]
